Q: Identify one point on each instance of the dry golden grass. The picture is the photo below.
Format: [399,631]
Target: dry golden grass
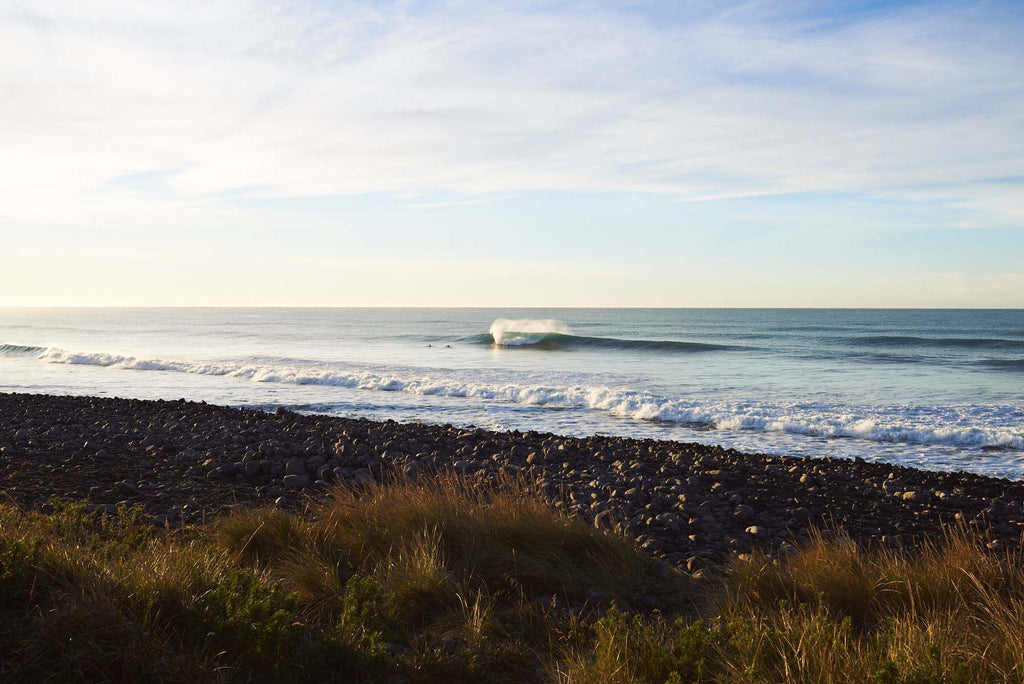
[446,579]
[950,611]
[440,538]
[437,579]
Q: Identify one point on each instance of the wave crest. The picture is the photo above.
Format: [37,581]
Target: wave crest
[514,332]
[935,425]
[550,334]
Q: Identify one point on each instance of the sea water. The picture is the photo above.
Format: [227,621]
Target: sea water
[940,389]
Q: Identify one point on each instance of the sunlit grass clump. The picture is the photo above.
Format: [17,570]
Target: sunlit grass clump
[440,579]
[950,611]
[445,579]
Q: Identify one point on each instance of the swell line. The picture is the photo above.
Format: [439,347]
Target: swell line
[936,342]
[557,341]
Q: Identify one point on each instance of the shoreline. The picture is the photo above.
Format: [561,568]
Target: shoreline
[689,504]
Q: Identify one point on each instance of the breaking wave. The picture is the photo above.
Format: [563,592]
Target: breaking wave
[970,426]
[550,334]
[514,332]
[557,341]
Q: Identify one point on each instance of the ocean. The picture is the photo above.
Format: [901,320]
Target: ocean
[938,389]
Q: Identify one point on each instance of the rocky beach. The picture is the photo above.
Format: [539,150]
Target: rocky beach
[689,504]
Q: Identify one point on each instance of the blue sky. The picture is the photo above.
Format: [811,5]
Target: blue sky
[512,154]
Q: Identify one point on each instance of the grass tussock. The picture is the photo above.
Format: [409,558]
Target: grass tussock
[951,611]
[450,580]
[438,580]
[443,537]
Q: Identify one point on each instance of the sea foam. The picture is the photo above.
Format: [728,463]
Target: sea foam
[961,425]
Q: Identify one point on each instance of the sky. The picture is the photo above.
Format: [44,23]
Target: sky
[632,153]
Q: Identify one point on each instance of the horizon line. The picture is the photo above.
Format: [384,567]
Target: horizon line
[507,307]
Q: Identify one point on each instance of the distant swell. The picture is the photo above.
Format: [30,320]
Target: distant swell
[1003,364]
[923,425]
[555,341]
[936,342]
[19,349]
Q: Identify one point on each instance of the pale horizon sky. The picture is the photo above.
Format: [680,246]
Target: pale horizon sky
[545,154]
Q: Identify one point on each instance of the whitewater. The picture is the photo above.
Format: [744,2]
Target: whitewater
[932,389]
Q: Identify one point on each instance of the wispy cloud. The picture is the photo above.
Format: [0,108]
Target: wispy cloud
[310,99]
[119,116]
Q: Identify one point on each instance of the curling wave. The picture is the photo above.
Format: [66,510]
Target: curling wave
[551,334]
[556,341]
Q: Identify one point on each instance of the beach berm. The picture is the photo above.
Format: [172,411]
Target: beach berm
[688,504]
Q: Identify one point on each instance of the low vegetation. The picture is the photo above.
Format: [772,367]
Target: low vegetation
[448,580]
[948,612]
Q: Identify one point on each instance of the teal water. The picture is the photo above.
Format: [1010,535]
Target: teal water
[932,388]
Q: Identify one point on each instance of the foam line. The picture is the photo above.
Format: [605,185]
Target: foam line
[959,426]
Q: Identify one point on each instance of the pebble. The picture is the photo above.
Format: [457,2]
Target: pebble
[691,504]
[295,481]
[786,549]
[743,513]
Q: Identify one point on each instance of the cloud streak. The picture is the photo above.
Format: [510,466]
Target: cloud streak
[122,118]
[475,98]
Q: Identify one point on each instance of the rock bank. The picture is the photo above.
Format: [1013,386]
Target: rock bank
[689,504]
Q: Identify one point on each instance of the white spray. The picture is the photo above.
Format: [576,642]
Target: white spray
[518,331]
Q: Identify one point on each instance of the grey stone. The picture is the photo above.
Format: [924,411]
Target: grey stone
[296,481]
[892,540]
[251,470]
[892,486]
[743,513]
[786,550]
